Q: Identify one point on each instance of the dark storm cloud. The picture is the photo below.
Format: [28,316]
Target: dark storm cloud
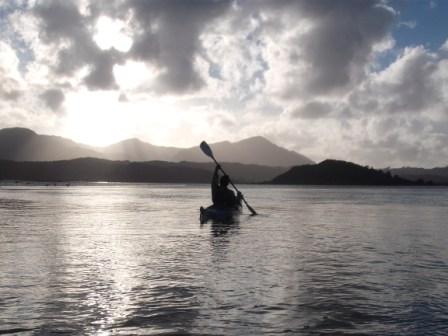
[53,98]
[337,46]
[63,25]
[342,40]
[168,35]
[101,75]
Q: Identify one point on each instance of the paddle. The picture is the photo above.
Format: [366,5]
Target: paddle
[208,151]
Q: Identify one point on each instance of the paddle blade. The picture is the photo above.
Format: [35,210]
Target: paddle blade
[206,149]
[253,212]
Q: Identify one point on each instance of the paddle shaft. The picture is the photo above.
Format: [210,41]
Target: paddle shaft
[234,186]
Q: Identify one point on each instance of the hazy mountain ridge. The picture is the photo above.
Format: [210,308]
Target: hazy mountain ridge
[136,150]
[254,150]
[437,175]
[21,144]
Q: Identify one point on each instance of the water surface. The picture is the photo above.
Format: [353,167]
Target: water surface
[129,259]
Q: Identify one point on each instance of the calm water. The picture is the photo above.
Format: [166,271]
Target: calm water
[133,259]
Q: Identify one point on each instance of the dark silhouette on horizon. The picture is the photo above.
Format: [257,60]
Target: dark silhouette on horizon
[334,172]
[88,169]
[94,170]
[329,172]
[438,175]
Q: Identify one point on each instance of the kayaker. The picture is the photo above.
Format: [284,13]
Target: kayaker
[221,195]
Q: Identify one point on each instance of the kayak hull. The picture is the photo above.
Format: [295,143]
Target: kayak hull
[218,215]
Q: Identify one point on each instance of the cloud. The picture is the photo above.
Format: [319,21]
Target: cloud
[63,26]
[168,35]
[164,33]
[408,85]
[397,116]
[53,98]
[123,98]
[342,40]
[444,46]
[10,88]
[330,45]
[408,24]
[312,110]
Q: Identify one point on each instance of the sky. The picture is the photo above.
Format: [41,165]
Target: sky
[358,80]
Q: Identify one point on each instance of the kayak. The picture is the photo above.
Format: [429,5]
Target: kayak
[218,214]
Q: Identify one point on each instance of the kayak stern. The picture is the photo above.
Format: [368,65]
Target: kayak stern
[218,215]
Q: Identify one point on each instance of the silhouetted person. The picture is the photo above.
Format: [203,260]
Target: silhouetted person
[223,197]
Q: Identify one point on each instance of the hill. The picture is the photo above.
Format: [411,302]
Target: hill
[255,150]
[22,144]
[333,172]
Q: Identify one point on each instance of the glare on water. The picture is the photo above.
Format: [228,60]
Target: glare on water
[133,259]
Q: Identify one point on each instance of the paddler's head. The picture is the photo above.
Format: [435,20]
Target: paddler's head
[224,182]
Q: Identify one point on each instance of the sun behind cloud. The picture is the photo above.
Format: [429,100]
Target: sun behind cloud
[100,119]
[110,33]
[94,119]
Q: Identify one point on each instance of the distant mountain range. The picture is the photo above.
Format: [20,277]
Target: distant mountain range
[25,155]
[21,144]
[255,150]
[437,175]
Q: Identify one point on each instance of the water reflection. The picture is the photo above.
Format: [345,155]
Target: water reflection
[162,309]
[114,260]
[229,228]
[14,204]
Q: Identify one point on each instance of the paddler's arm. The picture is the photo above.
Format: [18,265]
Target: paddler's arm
[239,198]
[215,180]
